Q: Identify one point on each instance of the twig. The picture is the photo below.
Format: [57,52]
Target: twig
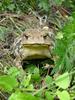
[3,96]
[1,65]
[66,11]
[9,15]
[40,90]
[3,25]
[2,20]
[15,24]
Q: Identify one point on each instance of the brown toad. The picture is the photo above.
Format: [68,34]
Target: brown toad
[32,44]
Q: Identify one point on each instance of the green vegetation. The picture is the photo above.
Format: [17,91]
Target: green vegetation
[40,83]
[24,88]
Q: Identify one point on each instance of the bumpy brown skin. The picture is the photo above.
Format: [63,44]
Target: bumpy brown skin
[32,44]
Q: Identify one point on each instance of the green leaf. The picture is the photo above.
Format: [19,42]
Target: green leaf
[13,71]
[36,75]
[25,82]
[8,83]
[30,68]
[49,96]
[22,96]
[11,7]
[30,87]
[6,2]
[63,81]
[59,35]
[48,80]
[62,46]
[44,4]
[64,95]
[0,6]
[58,2]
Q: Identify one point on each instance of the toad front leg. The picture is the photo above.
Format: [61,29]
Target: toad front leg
[17,62]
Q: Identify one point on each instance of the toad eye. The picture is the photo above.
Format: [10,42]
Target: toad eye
[45,36]
[26,36]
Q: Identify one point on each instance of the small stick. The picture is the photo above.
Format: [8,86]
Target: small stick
[3,96]
[2,20]
[15,24]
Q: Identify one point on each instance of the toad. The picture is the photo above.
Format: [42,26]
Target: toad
[32,44]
